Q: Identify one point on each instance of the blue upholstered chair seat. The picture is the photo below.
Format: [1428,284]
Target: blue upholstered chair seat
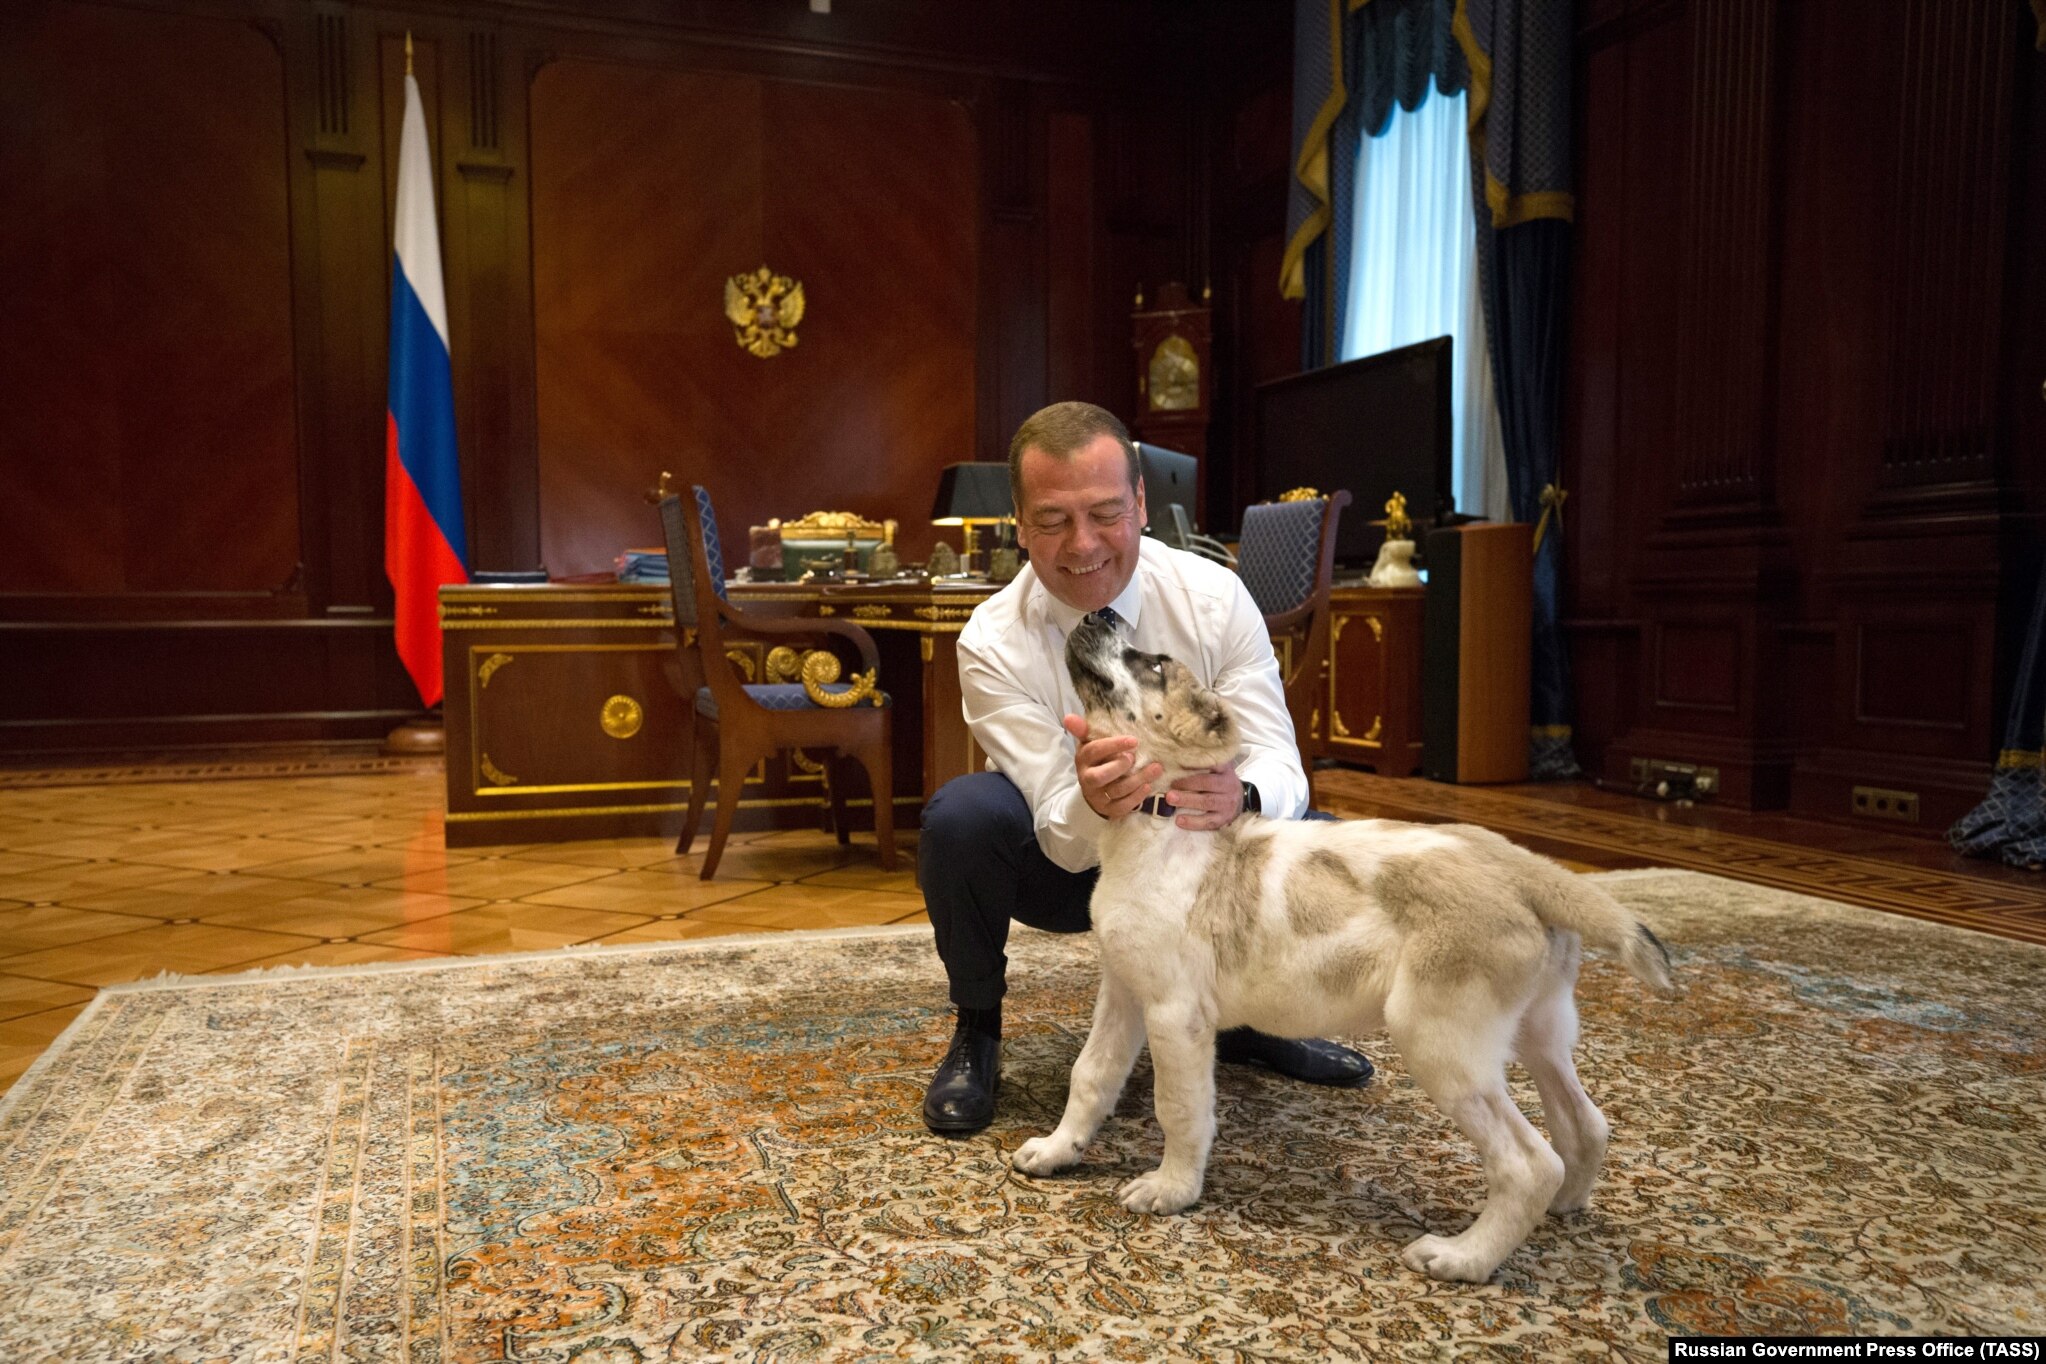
[778,696]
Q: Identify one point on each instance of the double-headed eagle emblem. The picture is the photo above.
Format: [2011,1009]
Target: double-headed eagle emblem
[764,308]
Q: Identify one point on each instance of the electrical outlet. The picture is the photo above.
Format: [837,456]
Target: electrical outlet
[1875,802]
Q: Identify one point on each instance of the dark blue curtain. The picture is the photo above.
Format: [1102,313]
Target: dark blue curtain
[1354,61]
[2011,821]
[1520,57]
[1318,98]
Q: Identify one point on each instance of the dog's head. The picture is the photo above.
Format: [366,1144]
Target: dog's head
[1176,721]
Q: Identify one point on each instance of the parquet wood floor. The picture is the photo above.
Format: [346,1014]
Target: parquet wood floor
[1580,823]
[115,872]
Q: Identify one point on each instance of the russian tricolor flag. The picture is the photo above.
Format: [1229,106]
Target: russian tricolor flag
[424,539]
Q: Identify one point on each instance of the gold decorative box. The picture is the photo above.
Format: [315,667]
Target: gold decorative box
[818,542]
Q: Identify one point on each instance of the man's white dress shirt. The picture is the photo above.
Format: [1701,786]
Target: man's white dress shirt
[1012,671]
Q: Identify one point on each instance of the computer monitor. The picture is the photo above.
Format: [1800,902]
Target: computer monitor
[1375,426]
[1169,477]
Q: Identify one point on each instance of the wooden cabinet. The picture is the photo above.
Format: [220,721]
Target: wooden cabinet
[1372,712]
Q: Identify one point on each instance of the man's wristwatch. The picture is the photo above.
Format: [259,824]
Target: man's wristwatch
[1251,804]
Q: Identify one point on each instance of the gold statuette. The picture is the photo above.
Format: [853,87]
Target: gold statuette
[1398,525]
[764,309]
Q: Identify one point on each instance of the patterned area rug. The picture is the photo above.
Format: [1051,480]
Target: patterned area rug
[713,1150]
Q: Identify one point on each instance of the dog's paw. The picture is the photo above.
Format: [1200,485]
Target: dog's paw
[1158,1192]
[1046,1155]
[1440,1257]
[1569,1200]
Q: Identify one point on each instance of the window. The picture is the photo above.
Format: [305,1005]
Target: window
[1414,275]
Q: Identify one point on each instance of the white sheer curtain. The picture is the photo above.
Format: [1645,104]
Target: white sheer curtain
[1414,275]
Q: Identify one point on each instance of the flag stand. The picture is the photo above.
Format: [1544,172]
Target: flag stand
[421,736]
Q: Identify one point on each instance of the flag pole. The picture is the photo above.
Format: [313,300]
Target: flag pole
[408,51]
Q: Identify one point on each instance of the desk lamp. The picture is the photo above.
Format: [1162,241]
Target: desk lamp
[970,495]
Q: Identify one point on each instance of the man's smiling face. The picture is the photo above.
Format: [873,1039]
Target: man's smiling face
[1081,519]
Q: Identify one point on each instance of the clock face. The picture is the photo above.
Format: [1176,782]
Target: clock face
[1173,378]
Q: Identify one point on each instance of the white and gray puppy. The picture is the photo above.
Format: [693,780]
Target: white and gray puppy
[1464,947]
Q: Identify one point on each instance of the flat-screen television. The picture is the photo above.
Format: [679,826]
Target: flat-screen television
[1376,426]
[1169,477]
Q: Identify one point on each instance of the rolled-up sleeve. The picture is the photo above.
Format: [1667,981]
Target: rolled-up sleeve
[1021,733]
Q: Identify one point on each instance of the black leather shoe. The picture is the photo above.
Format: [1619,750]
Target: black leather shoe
[1310,1059]
[961,1098]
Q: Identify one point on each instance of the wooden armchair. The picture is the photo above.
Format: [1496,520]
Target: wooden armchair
[1287,559]
[734,723]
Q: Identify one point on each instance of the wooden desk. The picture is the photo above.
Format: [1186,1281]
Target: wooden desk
[567,707]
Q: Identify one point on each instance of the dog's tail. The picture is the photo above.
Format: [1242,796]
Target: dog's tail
[1563,900]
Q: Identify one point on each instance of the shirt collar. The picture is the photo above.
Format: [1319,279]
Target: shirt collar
[1128,605]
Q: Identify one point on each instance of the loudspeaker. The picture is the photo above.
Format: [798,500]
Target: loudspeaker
[1477,626]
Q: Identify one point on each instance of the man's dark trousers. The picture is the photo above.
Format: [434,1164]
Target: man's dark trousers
[978,861]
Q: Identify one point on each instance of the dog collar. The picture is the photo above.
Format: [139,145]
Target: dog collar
[1158,806]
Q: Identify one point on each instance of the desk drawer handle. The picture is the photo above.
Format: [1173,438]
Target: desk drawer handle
[621,717]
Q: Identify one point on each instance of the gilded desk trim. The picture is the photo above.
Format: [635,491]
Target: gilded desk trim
[500,655]
[586,811]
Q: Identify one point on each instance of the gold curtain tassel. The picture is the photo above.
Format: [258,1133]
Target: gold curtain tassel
[1552,504]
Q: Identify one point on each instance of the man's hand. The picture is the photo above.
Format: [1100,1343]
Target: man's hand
[1107,784]
[1208,800]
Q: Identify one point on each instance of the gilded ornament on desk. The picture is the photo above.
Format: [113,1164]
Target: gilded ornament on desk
[1395,566]
[764,309]
[830,523]
[884,562]
[944,560]
[1398,525]
[1174,378]
[1007,560]
[815,547]
[763,549]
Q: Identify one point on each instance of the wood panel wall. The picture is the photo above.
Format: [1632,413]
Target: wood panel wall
[867,197]
[1802,474]
[145,326]
[195,201]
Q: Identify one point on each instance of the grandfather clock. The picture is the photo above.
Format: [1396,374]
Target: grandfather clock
[1172,338]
